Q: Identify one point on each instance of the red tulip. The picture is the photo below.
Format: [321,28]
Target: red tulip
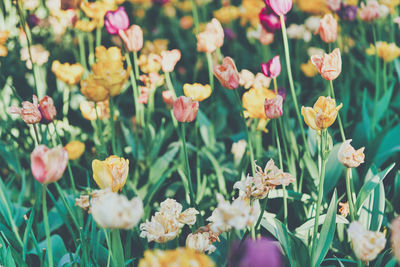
[227,74]
[47,109]
[273,107]
[185,109]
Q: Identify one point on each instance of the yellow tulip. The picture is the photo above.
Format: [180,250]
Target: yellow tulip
[322,115]
[197,91]
[388,52]
[69,74]
[178,257]
[93,89]
[111,173]
[253,102]
[75,149]
[309,69]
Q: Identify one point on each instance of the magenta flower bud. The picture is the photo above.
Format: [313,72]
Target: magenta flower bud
[272,68]
[116,20]
[269,20]
[185,109]
[273,107]
[280,7]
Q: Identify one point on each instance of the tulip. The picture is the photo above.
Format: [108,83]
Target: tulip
[215,27]
[185,109]
[47,109]
[370,11]
[111,173]
[200,242]
[329,65]
[350,157]
[197,91]
[116,21]
[272,68]
[333,5]
[269,20]
[253,102]
[29,112]
[168,98]
[322,115]
[68,73]
[273,107]
[396,238]
[227,74]
[75,149]
[133,38]
[206,42]
[169,59]
[93,90]
[347,12]
[280,7]
[47,164]
[178,257]
[328,29]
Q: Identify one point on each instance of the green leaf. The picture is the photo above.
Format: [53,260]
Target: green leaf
[10,158]
[162,163]
[389,146]
[334,170]
[327,232]
[58,246]
[383,103]
[370,185]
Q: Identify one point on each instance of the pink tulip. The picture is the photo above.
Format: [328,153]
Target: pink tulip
[116,20]
[227,74]
[168,97]
[47,109]
[48,165]
[333,5]
[133,38]
[329,65]
[185,109]
[169,59]
[269,20]
[144,95]
[273,107]
[370,11]
[328,29]
[272,68]
[280,7]
[29,112]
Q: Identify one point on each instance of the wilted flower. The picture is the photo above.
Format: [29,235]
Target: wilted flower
[253,102]
[143,95]
[75,149]
[69,73]
[169,59]
[350,157]
[272,68]
[185,109]
[200,242]
[273,107]
[269,20]
[206,42]
[133,38]
[47,109]
[328,29]
[237,214]
[396,237]
[166,223]
[260,252]
[366,244]
[238,150]
[47,164]
[110,173]
[344,209]
[39,55]
[29,112]
[322,115]
[183,257]
[92,110]
[113,211]
[388,52]
[280,7]
[116,21]
[329,65]
[261,81]
[197,91]
[168,98]
[370,11]
[227,73]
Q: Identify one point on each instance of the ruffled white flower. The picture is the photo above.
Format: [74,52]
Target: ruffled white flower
[200,242]
[252,187]
[237,214]
[275,176]
[111,210]
[366,244]
[350,157]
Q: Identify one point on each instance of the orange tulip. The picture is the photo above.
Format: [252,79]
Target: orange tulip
[227,74]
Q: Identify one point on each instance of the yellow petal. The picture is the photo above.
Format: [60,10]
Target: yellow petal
[309,117]
[101,174]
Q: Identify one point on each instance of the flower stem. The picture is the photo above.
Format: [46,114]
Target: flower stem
[263,208]
[36,134]
[47,228]
[185,154]
[321,187]
[117,249]
[134,88]
[291,84]
[135,64]
[377,85]
[349,195]
[112,125]
[82,51]
[338,116]
[169,84]
[210,70]
[253,167]
[98,36]
[285,208]
[195,16]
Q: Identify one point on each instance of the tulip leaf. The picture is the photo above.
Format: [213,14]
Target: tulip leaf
[57,245]
[389,146]
[327,232]
[10,158]
[334,170]
[384,102]
[162,163]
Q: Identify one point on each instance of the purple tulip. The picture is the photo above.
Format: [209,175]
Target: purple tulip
[261,252]
[347,12]
[116,20]
[269,20]
[282,93]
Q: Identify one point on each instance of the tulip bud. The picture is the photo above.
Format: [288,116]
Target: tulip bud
[329,65]
[169,59]
[111,172]
[29,112]
[47,109]
[185,109]
[227,74]
[280,7]
[48,165]
[272,68]
[116,20]
[269,20]
[350,157]
[328,29]
[273,107]
[133,38]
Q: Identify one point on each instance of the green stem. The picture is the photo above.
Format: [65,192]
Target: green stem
[66,95]
[114,150]
[106,234]
[37,140]
[185,154]
[289,73]
[195,16]
[82,50]
[134,88]
[169,84]
[377,85]
[263,208]
[135,63]
[338,116]
[98,36]
[384,76]
[349,195]
[47,228]
[321,187]
[285,208]
[252,163]
[210,70]
[117,249]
